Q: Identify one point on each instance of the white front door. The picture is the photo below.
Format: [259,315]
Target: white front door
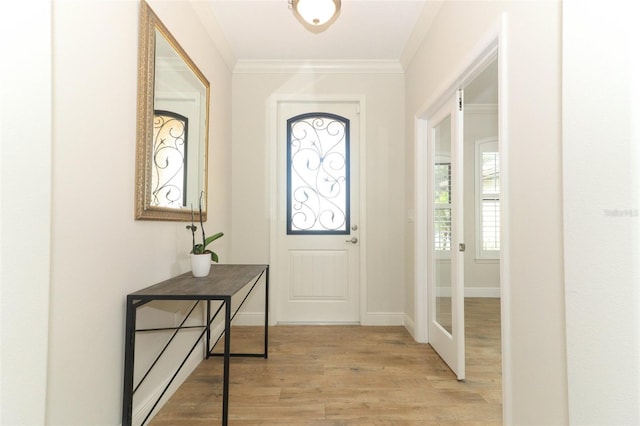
[446,251]
[317,231]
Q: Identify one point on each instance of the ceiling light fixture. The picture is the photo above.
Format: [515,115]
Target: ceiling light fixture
[316,15]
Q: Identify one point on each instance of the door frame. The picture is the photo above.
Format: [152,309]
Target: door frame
[493,45]
[272,158]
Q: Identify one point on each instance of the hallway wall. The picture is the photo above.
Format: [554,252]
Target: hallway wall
[99,252]
[601,164]
[25,209]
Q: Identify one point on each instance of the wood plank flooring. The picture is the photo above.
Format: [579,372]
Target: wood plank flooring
[348,375]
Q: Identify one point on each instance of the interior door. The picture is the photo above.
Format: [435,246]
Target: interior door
[318,248]
[446,248]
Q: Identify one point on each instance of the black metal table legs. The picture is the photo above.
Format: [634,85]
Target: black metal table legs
[134,302]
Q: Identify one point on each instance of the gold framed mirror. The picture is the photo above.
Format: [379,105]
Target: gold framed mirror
[172,127]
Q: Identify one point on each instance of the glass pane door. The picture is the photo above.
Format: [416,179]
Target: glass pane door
[442,223]
[445,255]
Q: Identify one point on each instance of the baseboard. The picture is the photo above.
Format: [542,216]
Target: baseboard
[371,318]
[482,292]
[383,318]
[471,292]
[143,409]
[190,365]
[410,325]
[249,318]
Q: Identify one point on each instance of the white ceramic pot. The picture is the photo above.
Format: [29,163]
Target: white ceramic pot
[200,264]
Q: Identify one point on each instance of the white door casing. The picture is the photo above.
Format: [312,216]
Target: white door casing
[317,276]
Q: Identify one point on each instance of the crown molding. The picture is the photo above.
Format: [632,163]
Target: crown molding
[268,66]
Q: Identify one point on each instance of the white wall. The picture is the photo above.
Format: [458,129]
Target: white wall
[384,93]
[601,161]
[25,213]
[99,253]
[535,358]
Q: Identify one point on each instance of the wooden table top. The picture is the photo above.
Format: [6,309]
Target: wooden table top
[222,281]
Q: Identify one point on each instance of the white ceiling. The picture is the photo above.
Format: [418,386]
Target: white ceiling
[365,30]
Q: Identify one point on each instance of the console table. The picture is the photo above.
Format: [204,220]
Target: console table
[223,282]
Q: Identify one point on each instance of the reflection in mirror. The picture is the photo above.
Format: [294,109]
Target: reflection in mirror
[173,109]
[442,223]
[169,168]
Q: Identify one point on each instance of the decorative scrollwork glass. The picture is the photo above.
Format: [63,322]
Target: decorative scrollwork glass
[318,174]
[169,168]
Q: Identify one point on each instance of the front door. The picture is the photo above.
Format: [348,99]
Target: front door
[317,232]
[446,247]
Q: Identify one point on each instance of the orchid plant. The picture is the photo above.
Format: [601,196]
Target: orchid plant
[202,248]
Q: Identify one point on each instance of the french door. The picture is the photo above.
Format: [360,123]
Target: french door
[318,264]
[446,247]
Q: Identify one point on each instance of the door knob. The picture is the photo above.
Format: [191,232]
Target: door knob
[353,240]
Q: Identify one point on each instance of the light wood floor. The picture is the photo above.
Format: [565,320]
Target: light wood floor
[348,375]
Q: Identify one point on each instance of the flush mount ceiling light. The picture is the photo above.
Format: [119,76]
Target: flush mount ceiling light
[316,15]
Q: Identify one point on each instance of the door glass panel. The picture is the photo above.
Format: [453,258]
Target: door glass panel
[442,222]
[318,174]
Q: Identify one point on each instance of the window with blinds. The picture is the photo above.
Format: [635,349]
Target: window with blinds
[442,222]
[488,199]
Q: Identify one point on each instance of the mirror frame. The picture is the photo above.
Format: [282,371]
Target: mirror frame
[149,23]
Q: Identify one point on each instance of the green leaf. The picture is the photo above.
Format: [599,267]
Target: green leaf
[212,238]
[214,256]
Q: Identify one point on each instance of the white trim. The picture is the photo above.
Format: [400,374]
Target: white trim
[374,319]
[420,327]
[249,318]
[196,357]
[275,66]
[272,159]
[410,326]
[485,52]
[484,292]
[383,318]
[471,291]
[505,282]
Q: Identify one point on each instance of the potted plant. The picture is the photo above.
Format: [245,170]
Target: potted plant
[201,257]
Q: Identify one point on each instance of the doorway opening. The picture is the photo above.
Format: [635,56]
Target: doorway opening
[481,159]
[490,291]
